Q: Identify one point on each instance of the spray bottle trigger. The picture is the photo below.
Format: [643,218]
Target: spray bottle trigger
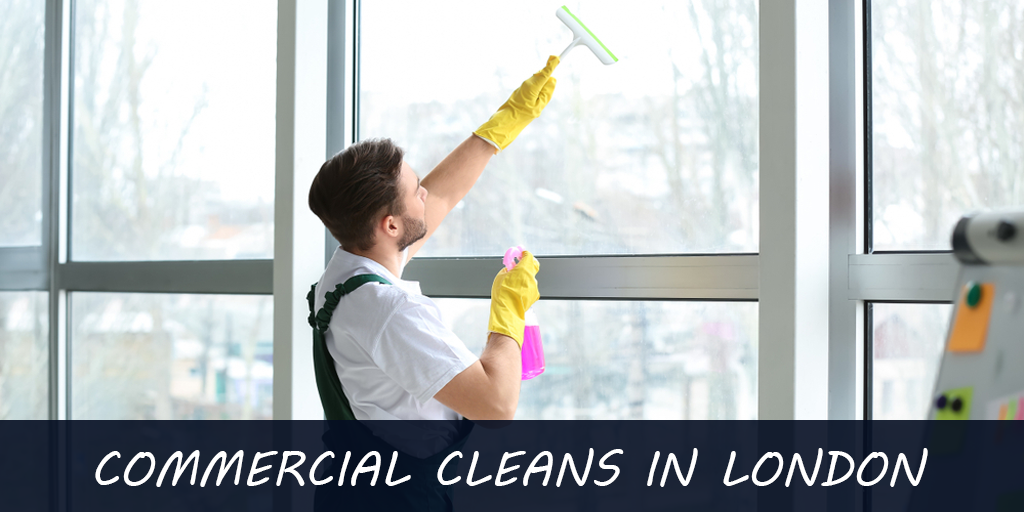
[512,257]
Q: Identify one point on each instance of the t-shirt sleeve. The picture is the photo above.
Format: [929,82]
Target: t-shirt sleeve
[418,351]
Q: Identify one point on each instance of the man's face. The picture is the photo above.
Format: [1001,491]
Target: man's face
[414,196]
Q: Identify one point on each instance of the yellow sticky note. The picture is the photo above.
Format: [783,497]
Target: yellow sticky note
[972,314]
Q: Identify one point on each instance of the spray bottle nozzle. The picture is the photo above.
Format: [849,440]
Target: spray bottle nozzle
[512,257]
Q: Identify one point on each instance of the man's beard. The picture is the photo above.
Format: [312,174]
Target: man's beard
[415,230]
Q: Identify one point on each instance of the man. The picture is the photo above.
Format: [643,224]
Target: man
[393,356]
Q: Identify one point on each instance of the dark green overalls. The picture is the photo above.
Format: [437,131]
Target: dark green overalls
[422,491]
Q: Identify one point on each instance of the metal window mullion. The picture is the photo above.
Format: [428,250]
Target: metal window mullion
[52,76]
[669,277]
[869,384]
[794,210]
[233,277]
[354,26]
[868,129]
[301,133]
[867,337]
[23,268]
[64,323]
[341,89]
[59,209]
[844,314]
[903,277]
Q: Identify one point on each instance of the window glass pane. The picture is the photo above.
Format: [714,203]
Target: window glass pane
[21,122]
[656,153]
[632,360]
[24,361]
[947,114]
[158,356]
[907,349]
[173,149]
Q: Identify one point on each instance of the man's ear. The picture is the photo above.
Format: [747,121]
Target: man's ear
[389,225]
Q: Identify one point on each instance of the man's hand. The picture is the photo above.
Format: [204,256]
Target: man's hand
[489,388]
[512,293]
[525,105]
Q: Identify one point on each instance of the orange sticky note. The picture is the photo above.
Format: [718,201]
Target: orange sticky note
[971,323]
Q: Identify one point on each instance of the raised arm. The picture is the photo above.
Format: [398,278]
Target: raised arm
[451,180]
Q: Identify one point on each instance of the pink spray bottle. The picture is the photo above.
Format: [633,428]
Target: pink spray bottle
[533,350]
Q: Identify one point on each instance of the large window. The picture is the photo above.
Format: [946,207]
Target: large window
[655,154]
[173,140]
[137,134]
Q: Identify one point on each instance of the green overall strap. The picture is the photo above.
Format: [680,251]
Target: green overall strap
[332,397]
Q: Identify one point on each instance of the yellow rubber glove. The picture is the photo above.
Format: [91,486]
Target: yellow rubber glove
[512,293]
[525,105]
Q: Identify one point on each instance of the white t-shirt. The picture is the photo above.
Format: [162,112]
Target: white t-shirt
[391,350]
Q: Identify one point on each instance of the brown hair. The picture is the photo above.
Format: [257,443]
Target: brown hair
[355,187]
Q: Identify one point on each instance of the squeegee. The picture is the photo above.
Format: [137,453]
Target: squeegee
[583,36]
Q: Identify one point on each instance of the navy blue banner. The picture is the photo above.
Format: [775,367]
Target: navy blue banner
[517,466]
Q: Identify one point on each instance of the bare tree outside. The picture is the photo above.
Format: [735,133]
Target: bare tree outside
[24,349]
[24,356]
[948,107]
[161,356]
[118,205]
[908,341]
[157,173]
[172,150]
[21,122]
